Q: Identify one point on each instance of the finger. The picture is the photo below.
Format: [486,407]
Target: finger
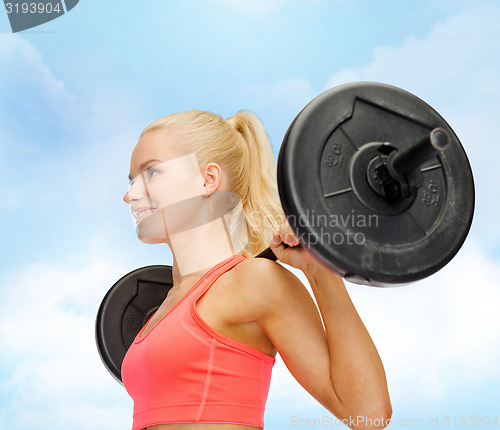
[292,239]
[276,245]
[287,234]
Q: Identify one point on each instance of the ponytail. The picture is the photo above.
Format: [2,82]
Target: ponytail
[259,191]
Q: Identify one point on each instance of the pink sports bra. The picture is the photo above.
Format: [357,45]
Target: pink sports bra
[182,371]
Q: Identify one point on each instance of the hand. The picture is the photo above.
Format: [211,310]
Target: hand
[296,255]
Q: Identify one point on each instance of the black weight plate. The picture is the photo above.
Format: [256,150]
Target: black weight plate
[328,202]
[125,309]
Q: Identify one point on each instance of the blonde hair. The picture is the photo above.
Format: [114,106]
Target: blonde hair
[240,145]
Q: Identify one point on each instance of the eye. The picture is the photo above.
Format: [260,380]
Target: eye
[149,173]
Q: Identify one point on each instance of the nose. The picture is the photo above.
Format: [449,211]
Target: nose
[133,192]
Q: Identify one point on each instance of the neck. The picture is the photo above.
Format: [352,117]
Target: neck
[201,233]
[197,250]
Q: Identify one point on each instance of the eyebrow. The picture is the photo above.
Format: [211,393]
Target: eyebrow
[144,165]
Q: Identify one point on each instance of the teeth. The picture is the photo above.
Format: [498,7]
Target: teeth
[142,213]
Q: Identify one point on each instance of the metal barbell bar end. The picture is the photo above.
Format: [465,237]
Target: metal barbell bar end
[392,176]
[402,163]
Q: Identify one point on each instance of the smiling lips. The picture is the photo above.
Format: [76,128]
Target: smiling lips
[142,212]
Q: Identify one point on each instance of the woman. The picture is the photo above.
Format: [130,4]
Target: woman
[204,360]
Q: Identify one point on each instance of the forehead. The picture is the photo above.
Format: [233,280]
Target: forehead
[160,144]
[163,143]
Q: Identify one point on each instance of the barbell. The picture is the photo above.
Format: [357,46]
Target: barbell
[373,182]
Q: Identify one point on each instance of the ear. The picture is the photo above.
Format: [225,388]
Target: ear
[213,177]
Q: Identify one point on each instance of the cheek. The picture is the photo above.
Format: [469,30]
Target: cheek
[175,187]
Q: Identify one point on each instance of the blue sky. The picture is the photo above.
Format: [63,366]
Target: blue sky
[75,94]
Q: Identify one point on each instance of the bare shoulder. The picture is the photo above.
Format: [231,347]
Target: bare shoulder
[263,273]
[265,286]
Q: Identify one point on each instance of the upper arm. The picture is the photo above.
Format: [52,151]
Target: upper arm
[286,312]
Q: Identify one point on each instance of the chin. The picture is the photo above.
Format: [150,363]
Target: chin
[152,229]
[151,238]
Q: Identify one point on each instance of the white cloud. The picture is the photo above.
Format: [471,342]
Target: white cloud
[22,62]
[440,334]
[32,98]
[456,68]
[47,330]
